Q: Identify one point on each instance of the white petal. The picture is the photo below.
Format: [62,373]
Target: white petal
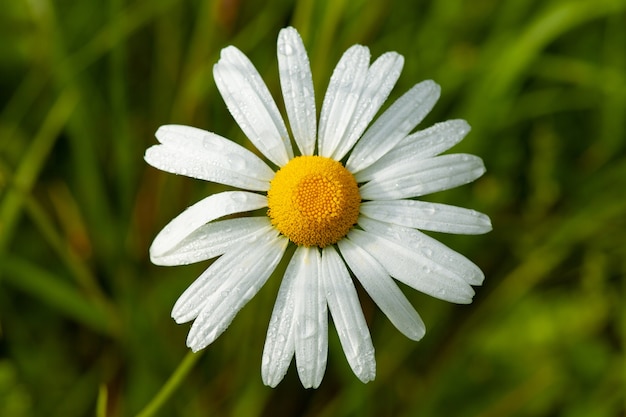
[196,153]
[228,268]
[345,308]
[394,124]
[280,340]
[383,290]
[311,327]
[296,82]
[445,260]
[204,211]
[420,145]
[236,289]
[381,77]
[211,240]
[341,98]
[415,269]
[251,105]
[427,216]
[412,179]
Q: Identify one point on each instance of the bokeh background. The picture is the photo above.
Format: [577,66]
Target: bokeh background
[85,325]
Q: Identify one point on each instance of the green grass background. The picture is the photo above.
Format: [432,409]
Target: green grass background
[84,317]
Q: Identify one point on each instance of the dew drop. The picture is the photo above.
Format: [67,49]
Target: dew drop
[308,327]
[430,209]
[239,197]
[285,49]
[236,162]
[212,144]
[428,252]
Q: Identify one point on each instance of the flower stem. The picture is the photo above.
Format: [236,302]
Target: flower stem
[170,386]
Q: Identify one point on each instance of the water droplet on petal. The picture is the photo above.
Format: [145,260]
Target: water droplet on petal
[239,197]
[430,209]
[212,143]
[236,162]
[285,49]
[308,327]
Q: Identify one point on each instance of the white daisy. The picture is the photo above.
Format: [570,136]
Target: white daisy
[345,198]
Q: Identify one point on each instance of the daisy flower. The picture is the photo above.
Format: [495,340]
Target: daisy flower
[345,197]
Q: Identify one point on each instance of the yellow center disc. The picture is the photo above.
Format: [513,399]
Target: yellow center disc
[313,200]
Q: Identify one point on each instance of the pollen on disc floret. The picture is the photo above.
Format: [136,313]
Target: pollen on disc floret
[314,201]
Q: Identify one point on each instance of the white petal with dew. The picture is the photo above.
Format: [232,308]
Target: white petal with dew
[311,326]
[211,240]
[343,303]
[296,82]
[196,153]
[251,105]
[419,145]
[413,179]
[236,289]
[450,263]
[393,125]
[383,290]
[416,269]
[202,212]
[280,340]
[427,216]
[233,264]
[381,77]
[341,98]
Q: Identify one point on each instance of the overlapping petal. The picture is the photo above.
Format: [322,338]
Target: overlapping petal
[393,125]
[347,314]
[211,240]
[296,82]
[380,79]
[311,324]
[410,179]
[381,288]
[246,275]
[427,216]
[196,153]
[415,268]
[251,105]
[204,211]
[341,99]
[233,265]
[419,145]
[450,263]
[299,323]
[280,343]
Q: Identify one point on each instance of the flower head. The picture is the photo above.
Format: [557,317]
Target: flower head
[346,197]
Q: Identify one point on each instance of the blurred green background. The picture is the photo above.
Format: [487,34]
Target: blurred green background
[84,317]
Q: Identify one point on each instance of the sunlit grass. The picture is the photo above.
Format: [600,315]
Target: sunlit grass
[84,317]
